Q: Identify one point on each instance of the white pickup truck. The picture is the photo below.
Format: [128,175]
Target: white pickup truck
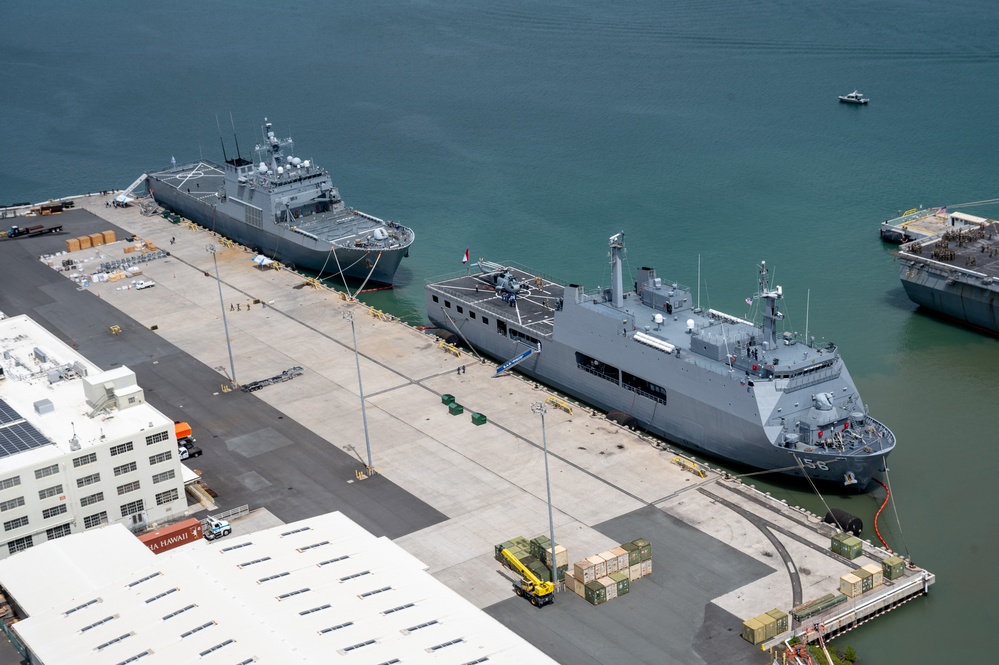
[144,284]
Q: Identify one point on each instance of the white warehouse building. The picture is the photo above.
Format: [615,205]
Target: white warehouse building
[79,447]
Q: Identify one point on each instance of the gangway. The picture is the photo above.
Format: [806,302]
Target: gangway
[513,362]
[131,188]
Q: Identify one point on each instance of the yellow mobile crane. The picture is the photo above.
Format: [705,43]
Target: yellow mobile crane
[531,587]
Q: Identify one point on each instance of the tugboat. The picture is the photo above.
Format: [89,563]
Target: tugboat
[854,98]
[706,380]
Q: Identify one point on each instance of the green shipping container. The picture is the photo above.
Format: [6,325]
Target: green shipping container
[539,544]
[753,631]
[455,409]
[894,567]
[447,400]
[769,626]
[623,584]
[478,419]
[645,548]
[634,553]
[595,593]
[541,571]
[781,617]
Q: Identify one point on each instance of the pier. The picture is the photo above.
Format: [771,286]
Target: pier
[724,551]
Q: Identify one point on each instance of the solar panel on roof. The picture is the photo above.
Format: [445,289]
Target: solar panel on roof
[7,413]
[18,437]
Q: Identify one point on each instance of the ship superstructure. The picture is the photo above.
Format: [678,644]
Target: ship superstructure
[706,380]
[286,208]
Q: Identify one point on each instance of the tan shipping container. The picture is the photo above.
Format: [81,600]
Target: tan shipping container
[570,583]
[108,237]
[635,572]
[599,566]
[850,585]
[85,242]
[73,245]
[769,625]
[753,631]
[646,567]
[129,249]
[610,560]
[877,571]
[561,556]
[622,559]
[611,587]
[96,239]
[583,571]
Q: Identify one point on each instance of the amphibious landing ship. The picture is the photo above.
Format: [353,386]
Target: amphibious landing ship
[705,380]
[286,208]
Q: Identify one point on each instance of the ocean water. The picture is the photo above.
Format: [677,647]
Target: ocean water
[532,131]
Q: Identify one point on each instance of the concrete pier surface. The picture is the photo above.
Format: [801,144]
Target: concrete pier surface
[446,490]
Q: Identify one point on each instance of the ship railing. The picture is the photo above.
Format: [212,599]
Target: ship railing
[644,393]
[809,379]
[952,270]
[607,377]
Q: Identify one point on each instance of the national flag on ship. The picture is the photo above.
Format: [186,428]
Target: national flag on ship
[749,301]
[464,259]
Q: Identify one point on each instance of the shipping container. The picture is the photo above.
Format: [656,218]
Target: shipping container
[599,566]
[610,587]
[583,570]
[85,242]
[878,573]
[850,585]
[623,561]
[769,626]
[73,245]
[753,631]
[540,570]
[539,544]
[893,567]
[561,556]
[96,239]
[595,593]
[108,237]
[610,561]
[634,553]
[623,584]
[571,584]
[866,578]
[174,535]
[645,548]
[782,622]
[635,572]
[847,545]
[646,567]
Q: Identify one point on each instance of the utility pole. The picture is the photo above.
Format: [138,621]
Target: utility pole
[232,366]
[538,408]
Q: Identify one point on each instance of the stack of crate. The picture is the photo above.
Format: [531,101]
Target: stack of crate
[847,545]
[607,575]
[765,626]
[535,555]
[893,567]
[861,580]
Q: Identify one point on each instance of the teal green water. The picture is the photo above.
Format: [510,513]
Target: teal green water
[532,131]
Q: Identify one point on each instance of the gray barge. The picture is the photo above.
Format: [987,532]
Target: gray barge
[703,379]
[956,274]
[286,208]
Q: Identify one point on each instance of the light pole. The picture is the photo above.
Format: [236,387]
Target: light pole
[360,389]
[225,324]
[538,408]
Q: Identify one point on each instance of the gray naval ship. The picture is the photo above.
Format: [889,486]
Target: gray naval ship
[956,273]
[703,379]
[286,208]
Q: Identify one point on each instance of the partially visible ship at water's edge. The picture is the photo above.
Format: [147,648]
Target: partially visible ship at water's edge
[706,380]
[286,208]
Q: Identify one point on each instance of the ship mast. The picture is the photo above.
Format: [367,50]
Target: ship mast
[770,312]
[617,285]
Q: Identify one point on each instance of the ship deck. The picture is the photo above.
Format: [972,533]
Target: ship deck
[976,252]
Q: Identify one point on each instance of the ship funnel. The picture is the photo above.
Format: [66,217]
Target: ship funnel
[617,284]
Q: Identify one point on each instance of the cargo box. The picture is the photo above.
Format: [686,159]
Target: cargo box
[634,553]
[893,567]
[85,242]
[595,593]
[539,544]
[583,570]
[769,626]
[866,578]
[599,566]
[610,561]
[622,581]
[623,560]
[561,556]
[875,570]
[850,585]
[646,568]
[96,239]
[610,587]
[635,572]
[645,548]
[753,631]
[540,570]
[73,245]
[571,584]
[108,237]
[175,535]
[782,622]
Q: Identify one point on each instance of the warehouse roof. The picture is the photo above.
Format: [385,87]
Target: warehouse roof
[321,590]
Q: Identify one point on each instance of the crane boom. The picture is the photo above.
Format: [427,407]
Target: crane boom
[532,587]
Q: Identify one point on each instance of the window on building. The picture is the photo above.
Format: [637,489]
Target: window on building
[156,438]
[50,492]
[88,480]
[97,519]
[15,523]
[57,531]
[7,483]
[128,487]
[161,457]
[163,477]
[89,458]
[125,468]
[167,497]
[132,507]
[20,544]
[46,471]
[91,499]
[121,448]
[54,510]
[11,504]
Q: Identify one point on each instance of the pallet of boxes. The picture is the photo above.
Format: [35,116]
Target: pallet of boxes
[605,576]
[536,555]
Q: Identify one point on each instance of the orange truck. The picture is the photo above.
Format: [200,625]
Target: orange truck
[183,430]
